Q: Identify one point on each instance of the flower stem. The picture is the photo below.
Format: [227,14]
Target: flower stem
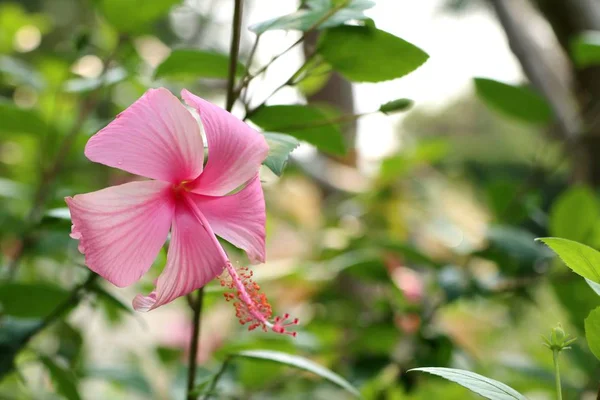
[236,32]
[196,305]
[555,354]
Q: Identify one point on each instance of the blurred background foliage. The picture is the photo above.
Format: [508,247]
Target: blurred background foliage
[421,256]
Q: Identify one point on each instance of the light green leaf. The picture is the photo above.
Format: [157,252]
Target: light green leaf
[582,259]
[18,120]
[574,214]
[60,213]
[64,379]
[135,16]
[307,123]
[486,387]
[585,49]
[30,300]
[367,54]
[316,11]
[595,286]
[280,147]
[300,363]
[396,105]
[188,63]
[21,72]
[125,377]
[514,101]
[592,331]
[82,85]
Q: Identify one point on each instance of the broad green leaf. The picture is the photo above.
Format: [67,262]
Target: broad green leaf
[514,101]
[135,16]
[396,105]
[280,147]
[367,54]
[65,380]
[595,286]
[30,300]
[316,11]
[486,387]
[188,63]
[19,120]
[307,123]
[574,214]
[582,259]
[585,49]
[14,334]
[300,363]
[592,331]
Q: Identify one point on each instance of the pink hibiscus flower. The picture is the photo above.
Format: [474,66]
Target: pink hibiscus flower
[122,228]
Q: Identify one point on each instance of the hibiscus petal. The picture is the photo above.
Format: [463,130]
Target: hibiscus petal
[195,257]
[235,151]
[238,218]
[156,137]
[122,228]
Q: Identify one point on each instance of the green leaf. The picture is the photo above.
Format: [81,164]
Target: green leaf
[316,11]
[124,377]
[135,16]
[19,120]
[595,286]
[367,54]
[582,259]
[307,123]
[486,387]
[188,63]
[300,363]
[280,147]
[14,334]
[111,300]
[574,214]
[592,331]
[64,379]
[30,300]
[585,49]
[82,85]
[514,101]
[396,105]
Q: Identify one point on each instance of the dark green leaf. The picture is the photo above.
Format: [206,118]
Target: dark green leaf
[19,120]
[300,363]
[185,63]
[30,300]
[592,331]
[280,147]
[65,380]
[134,16]
[514,101]
[307,123]
[14,334]
[585,49]
[317,10]
[583,260]
[574,214]
[364,54]
[486,387]
[396,105]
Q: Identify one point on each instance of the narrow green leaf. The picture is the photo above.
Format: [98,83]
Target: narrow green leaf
[595,286]
[30,300]
[585,49]
[60,213]
[18,120]
[396,105]
[111,300]
[367,54]
[582,259]
[280,147]
[300,363]
[317,10]
[188,63]
[64,379]
[514,101]
[486,387]
[592,331]
[135,16]
[307,123]
[574,214]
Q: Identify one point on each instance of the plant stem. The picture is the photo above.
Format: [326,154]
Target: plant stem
[196,304]
[194,340]
[555,354]
[215,381]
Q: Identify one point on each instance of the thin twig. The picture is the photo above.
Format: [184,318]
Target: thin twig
[194,340]
[236,32]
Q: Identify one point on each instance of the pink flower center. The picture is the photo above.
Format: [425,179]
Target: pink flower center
[180,188]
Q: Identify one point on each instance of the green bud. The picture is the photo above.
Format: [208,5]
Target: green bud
[396,105]
[558,339]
